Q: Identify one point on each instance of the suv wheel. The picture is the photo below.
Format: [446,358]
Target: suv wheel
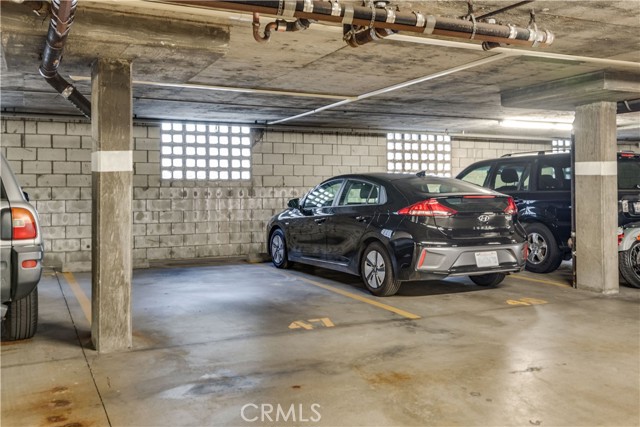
[544,254]
[630,265]
[21,320]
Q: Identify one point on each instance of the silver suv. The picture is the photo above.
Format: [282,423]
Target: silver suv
[21,258]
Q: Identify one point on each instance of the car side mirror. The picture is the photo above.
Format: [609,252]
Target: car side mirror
[294,203]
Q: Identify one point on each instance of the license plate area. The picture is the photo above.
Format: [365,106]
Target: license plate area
[487,259]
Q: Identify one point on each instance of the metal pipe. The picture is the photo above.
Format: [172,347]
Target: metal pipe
[278,25]
[415,22]
[504,9]
[62,14]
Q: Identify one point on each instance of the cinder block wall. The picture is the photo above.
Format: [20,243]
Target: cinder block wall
[186,219]
[173,219]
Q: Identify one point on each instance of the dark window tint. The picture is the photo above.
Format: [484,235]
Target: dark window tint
[629,173]
[360,193]
[3,195]
[554,174]
[511,176]
[477,176]
[432,185]
[323,195]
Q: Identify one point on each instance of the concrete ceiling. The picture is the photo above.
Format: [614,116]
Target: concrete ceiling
[181,44]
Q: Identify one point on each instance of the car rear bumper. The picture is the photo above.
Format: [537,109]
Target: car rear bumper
[432,262]
[25,277]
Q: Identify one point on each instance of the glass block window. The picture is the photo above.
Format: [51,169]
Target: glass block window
[412,152]
[205,152]
[561,145]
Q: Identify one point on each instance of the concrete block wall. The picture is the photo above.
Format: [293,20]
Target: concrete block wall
[189,219]
[173,219]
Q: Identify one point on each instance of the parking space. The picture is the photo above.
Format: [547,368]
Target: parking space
[229,344]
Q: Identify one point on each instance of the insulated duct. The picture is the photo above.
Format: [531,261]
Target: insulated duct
[62,14]
[373,17]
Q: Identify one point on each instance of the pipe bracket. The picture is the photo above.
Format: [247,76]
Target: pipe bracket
[289,8]
[419,19]
[391,16]
[348,14]
[308,6]
[430,24]
[336,8]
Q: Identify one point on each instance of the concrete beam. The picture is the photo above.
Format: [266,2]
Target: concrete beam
[112,180]
[596,198]
[566,94]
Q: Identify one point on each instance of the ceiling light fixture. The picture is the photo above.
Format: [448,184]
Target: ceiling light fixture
[521,124]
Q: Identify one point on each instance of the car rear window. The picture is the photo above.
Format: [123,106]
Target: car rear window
[3,194]
[433,186]
[629,173]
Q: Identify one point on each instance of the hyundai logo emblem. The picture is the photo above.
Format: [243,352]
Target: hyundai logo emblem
[484,218]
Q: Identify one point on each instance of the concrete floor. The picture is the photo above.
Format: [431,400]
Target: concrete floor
[222,345]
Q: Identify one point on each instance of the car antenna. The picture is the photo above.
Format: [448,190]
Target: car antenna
[421,174]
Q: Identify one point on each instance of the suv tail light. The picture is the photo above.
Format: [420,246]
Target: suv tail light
[511,208]
[430,207]
[23,224]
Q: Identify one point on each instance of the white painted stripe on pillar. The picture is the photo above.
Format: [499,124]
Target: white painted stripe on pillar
[112,161]
[597,168]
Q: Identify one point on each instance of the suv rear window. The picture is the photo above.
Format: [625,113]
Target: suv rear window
[629,173]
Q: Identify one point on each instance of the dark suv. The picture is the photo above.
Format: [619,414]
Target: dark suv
[540,184]
[21,252]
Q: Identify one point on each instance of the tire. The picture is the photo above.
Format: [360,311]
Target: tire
[544,254]
[491,279]
[21,321]
[376,270]
[629,263]
[278,250]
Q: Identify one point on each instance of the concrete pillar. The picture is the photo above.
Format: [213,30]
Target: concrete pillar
[596,197]
[112,178]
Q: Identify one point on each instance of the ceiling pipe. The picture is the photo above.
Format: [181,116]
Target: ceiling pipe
[278,25]
[62,14]
[373,17]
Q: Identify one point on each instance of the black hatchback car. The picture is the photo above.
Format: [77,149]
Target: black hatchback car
[392,228]
[540,184]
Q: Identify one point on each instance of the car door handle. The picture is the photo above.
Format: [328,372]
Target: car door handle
[320,220]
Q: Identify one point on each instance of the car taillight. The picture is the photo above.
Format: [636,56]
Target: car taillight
[23,224]
[430,207]
[525,251]
[511,208]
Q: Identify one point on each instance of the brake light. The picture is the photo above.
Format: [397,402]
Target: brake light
[23,224]
[430,207]
[511,208]
[479,196]
[525,251]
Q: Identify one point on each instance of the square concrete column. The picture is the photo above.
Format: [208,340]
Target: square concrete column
[596,198]
[112,178]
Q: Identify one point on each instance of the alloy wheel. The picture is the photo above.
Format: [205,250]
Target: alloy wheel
[277,248]
[374,269]
[634,256]
[537,248]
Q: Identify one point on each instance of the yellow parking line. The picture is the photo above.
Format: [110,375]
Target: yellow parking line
[357,297]
[547,282]
[82,298]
